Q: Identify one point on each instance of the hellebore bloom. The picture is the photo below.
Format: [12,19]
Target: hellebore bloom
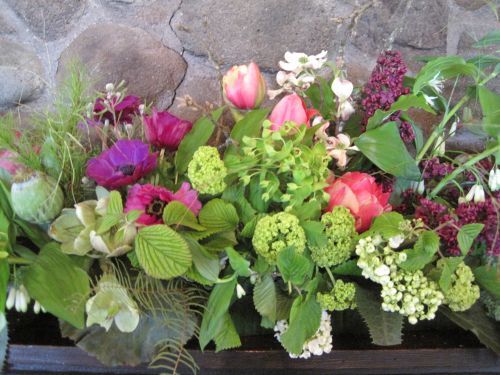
[153,199]
[361,195]
[244,86]
[289,108]
[124,163]
[124,110]
[164,130]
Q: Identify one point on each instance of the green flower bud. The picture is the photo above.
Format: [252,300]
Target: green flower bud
[340,298]
[207,171]
[462,293]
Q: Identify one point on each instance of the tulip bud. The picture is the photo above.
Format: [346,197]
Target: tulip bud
[342,88]
[289,108]
[244,86]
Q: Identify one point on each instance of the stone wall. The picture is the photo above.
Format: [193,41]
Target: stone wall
[168,48]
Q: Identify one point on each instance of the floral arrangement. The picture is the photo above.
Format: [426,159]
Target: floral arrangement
[140,230]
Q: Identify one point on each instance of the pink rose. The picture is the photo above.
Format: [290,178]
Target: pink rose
[244,86]
[361,195]
[289,108]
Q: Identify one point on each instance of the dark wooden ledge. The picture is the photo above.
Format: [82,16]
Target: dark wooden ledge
[71,360]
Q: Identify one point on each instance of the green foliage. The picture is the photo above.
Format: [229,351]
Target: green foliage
[226,337]
[385,327]
[490,102]
[58,285]
[349,268]
[205,264]
[239,264]
[249,126]
[489,278]
[177,214]
[235,194]
[321,96]
[466,236]
[447,266]
[384,147]
[490,39]
[422,253]
[293,266]
[387,225]
[341,297]
[207,171]
[218,216]
[162,252]
[265,298]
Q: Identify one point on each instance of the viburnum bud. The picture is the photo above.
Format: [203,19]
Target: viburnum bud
[244,86]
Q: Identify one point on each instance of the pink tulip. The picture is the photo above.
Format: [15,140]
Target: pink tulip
[164,130]
[361,195]
[289,108]
[244,86]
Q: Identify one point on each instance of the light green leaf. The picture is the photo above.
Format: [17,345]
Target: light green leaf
[177,213]
[207,264]
[305,317]
[265,297]
[488,278]
[385,327]
[115,204]
[239,264]
[217,306]
[219,216]
[466,236]
[162,252]
[199,135]
[490,39]
[422,253]
[388,224]
[315,233]
[450,264]
[490,105]
[58,284]
[293,266]
[250,125]
[133,215]
[235,194]
[308,211]
[384,147]
[107,222]
[226,337]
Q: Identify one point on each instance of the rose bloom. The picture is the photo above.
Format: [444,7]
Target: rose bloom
[361,195]
[164,130]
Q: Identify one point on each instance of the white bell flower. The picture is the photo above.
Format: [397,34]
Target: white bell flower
[342,88]
[494,179]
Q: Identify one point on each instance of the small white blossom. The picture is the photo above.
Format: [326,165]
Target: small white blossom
[440,146]
[297,61]
[342,88]
[430,99]
[346,110]
[110,87]
[436,83]
[475,193]
[418,187]
[494,179]
[240,292]
[396,241]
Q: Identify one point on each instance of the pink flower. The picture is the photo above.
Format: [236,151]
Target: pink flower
[152,200]
[164,130]
[9,165]
[361,195]
[244,86]
[117,111]
[289,108]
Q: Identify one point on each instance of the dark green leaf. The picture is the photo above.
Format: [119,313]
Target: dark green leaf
[219,216]
[488,278]
[466,236]
[207,264]
[384,147]
[315,233]
[294,267]
[308,211]
[239,264]
[348,268]
[60,286]
[5,203]
[33,232]
[226,337]
[235,194]
[265,297]
[177,214]
[422,253]
[250,125]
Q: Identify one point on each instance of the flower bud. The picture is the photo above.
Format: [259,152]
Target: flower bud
[244,86]
[289,108]
[494,179]
[342,88]
[240,292]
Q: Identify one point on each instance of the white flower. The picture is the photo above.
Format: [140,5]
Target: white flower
[18,298]
[494,179]
[110,87]
[436,83]
[475,193]
[336,147]
[382,270]
[440,146]
[346,110]
[396,241]
[240,292]
[296,61]
[418,187]
[430,99]
[342,88]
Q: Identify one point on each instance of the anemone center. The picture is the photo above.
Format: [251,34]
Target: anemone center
[156,207]
[127,169]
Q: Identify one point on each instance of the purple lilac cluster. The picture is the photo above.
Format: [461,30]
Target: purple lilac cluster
[435,169]
[384,88]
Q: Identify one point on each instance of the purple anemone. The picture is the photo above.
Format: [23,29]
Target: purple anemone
[124,163]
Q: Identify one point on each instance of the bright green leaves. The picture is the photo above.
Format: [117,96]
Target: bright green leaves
[250,125]
[490,105]
[490,39]
[489,278]
[448,266]
[205,264]
[265,298]
[384,148]
[239,264]
[58,285]
[305,317]
[162,252]
[422,253]
[294,267]
[466,236]
[219,216]
[388,224]
[176,214]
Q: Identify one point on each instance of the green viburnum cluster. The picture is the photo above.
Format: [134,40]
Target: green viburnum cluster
[341,233]
[274,233]
[287,170]
[207,171]
[463,293]
[340,298]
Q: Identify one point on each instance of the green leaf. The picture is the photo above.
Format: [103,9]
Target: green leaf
[162,252]
[315,233]
[483,61]
[328,102]
[348,268]
[38,236]
[207,264]
[476,321]
[385,327]
[489,279]
[177,213]
[388,224]
[219,216]
[404,103]
[305,317]
[115,204]
[294,267]
[239,264]
[226,337]
[384,148]
[198,136]
[250,125]
[265,297]
[450,264]
[490,39]
[308,211]
[235,194]
[60,286]
[217,306]
[107,222]
[422,253]
[5,202]
[466,236]
[490,105]
[133,215]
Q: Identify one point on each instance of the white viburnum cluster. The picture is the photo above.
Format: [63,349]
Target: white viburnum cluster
[318,344]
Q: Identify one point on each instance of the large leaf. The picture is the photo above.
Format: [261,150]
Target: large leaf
[219,216]
[490,105]
[449,265]
[250,125]
[293,266]
[422,253]
[348,268]
[265,297]
[238,263]
[58,284]
[177,214]
[489,278]
[388,224]
[217,306]
[198,136]
[315,233]
[205,263]
[305,317]
[162,252]
[226,337]
[235,194]
[476,321]
[385,327]
[466,236]
[384,147]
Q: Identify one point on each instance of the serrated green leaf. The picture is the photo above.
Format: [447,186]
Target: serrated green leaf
[133,215]
[315,233]
[422,253]
[226,337]
[265,298]
[205,263]
[476,321]
[308,211]
[218,215]
[217,306]
[490,39]
[60,286]
[107,222]
[221,240]
[348,268]
[293,266]
[177,214]
[235,194]
[198,136]
[162,252]
[239,264]
[115,204]
[450,264]
[488,278]
[384,147]
[385,327]
[388,224]
[466,236]
[305,317]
